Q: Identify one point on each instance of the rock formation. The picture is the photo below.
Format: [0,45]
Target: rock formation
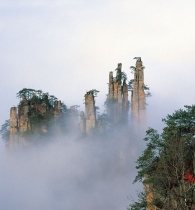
[13,121]
[34,112]
[138,99]
[88,119]
[23,117]
[149,196]
[13,138]
[57,109]
[90,112]
[117,101]
[32,115]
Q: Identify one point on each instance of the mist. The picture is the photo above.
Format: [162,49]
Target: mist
[66,48]
[69,173]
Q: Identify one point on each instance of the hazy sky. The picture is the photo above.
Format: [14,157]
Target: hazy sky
[66,47]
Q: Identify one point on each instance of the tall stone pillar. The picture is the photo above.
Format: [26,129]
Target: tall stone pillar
[115,84]
[110,96]
[118,104]
[56,114]
[57,109]
[90,112]
[110,86]
[23,110]
[125,102]
[13,121]
[138,96]
[13,138]
[114,103]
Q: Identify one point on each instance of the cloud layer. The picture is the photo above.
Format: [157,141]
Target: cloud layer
[70,174]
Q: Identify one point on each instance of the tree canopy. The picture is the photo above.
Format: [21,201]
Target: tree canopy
[94,92]
[145,87]
[167,165]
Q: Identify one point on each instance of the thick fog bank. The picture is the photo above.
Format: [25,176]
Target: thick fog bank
[71,174]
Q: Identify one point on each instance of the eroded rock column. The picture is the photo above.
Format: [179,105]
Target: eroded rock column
[13,121]
[138,95]
[23,110]
[13,138]
[90,112]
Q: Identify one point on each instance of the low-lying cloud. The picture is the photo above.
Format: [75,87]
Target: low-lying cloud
[71,174]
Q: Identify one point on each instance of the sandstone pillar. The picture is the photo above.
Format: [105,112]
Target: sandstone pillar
[13,121]
[117,101]
[13,138]
[23,110]
[125,102]
[110,86]
[120,104]
[138,96]
[90,112]
[57,109]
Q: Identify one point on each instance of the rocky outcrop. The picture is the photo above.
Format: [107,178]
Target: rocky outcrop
[32,115]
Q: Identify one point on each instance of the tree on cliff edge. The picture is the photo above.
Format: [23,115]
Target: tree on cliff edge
[167,165]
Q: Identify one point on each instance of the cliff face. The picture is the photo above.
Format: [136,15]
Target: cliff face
[149,197]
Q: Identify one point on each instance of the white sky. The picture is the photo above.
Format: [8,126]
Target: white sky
[67,47]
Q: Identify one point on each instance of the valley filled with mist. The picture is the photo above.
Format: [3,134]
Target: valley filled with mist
[69,47]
